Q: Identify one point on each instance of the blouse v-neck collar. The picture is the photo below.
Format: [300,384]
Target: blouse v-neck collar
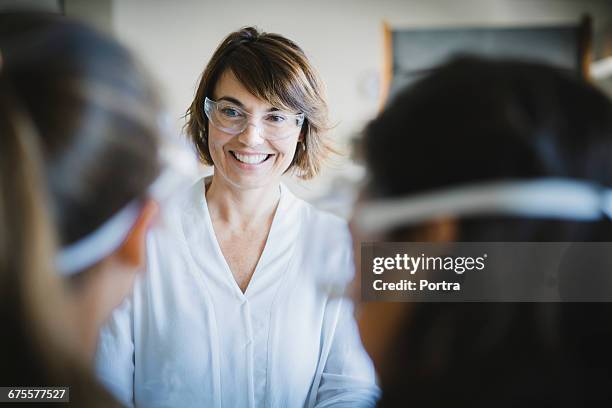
[206,251]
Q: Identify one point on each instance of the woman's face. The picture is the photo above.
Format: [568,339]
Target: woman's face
[267,160]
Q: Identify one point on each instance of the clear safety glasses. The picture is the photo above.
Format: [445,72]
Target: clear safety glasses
[232,119]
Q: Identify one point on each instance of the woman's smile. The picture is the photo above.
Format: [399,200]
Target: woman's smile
[250,160]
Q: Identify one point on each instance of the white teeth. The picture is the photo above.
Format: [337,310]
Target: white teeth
[251,158]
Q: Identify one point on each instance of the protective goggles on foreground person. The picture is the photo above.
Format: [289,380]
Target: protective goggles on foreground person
[179,169]
[232,119]
[176,173]
[552,198]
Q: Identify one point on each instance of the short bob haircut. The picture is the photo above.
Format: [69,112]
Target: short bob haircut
[276,70]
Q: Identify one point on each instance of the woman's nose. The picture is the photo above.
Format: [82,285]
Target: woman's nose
[251,136]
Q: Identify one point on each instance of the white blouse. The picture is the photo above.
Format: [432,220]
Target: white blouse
[189,337]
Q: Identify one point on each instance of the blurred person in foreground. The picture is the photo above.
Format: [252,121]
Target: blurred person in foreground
[81,164]
[468,126]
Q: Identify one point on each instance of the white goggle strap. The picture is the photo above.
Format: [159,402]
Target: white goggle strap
[541,198]
[97,245]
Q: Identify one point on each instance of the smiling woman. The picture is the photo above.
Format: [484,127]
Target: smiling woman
[232,312]
[274,70]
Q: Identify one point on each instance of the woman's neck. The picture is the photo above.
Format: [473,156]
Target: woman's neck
[241,208]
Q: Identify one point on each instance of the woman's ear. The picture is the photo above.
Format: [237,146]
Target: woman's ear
[132,251]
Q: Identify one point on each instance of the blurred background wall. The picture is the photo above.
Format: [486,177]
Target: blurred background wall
[344,39]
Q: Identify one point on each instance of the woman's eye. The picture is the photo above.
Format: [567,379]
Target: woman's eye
[276,118]
[230,112]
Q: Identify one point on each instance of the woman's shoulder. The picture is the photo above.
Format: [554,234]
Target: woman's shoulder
[321,223]
[324,236]
[326,240]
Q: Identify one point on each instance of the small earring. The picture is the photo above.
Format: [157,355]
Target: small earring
[303,146]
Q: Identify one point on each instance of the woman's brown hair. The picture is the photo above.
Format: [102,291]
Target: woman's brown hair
[276,70]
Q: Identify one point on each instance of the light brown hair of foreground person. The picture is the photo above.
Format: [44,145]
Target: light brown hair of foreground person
[79,143]
[39,338]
